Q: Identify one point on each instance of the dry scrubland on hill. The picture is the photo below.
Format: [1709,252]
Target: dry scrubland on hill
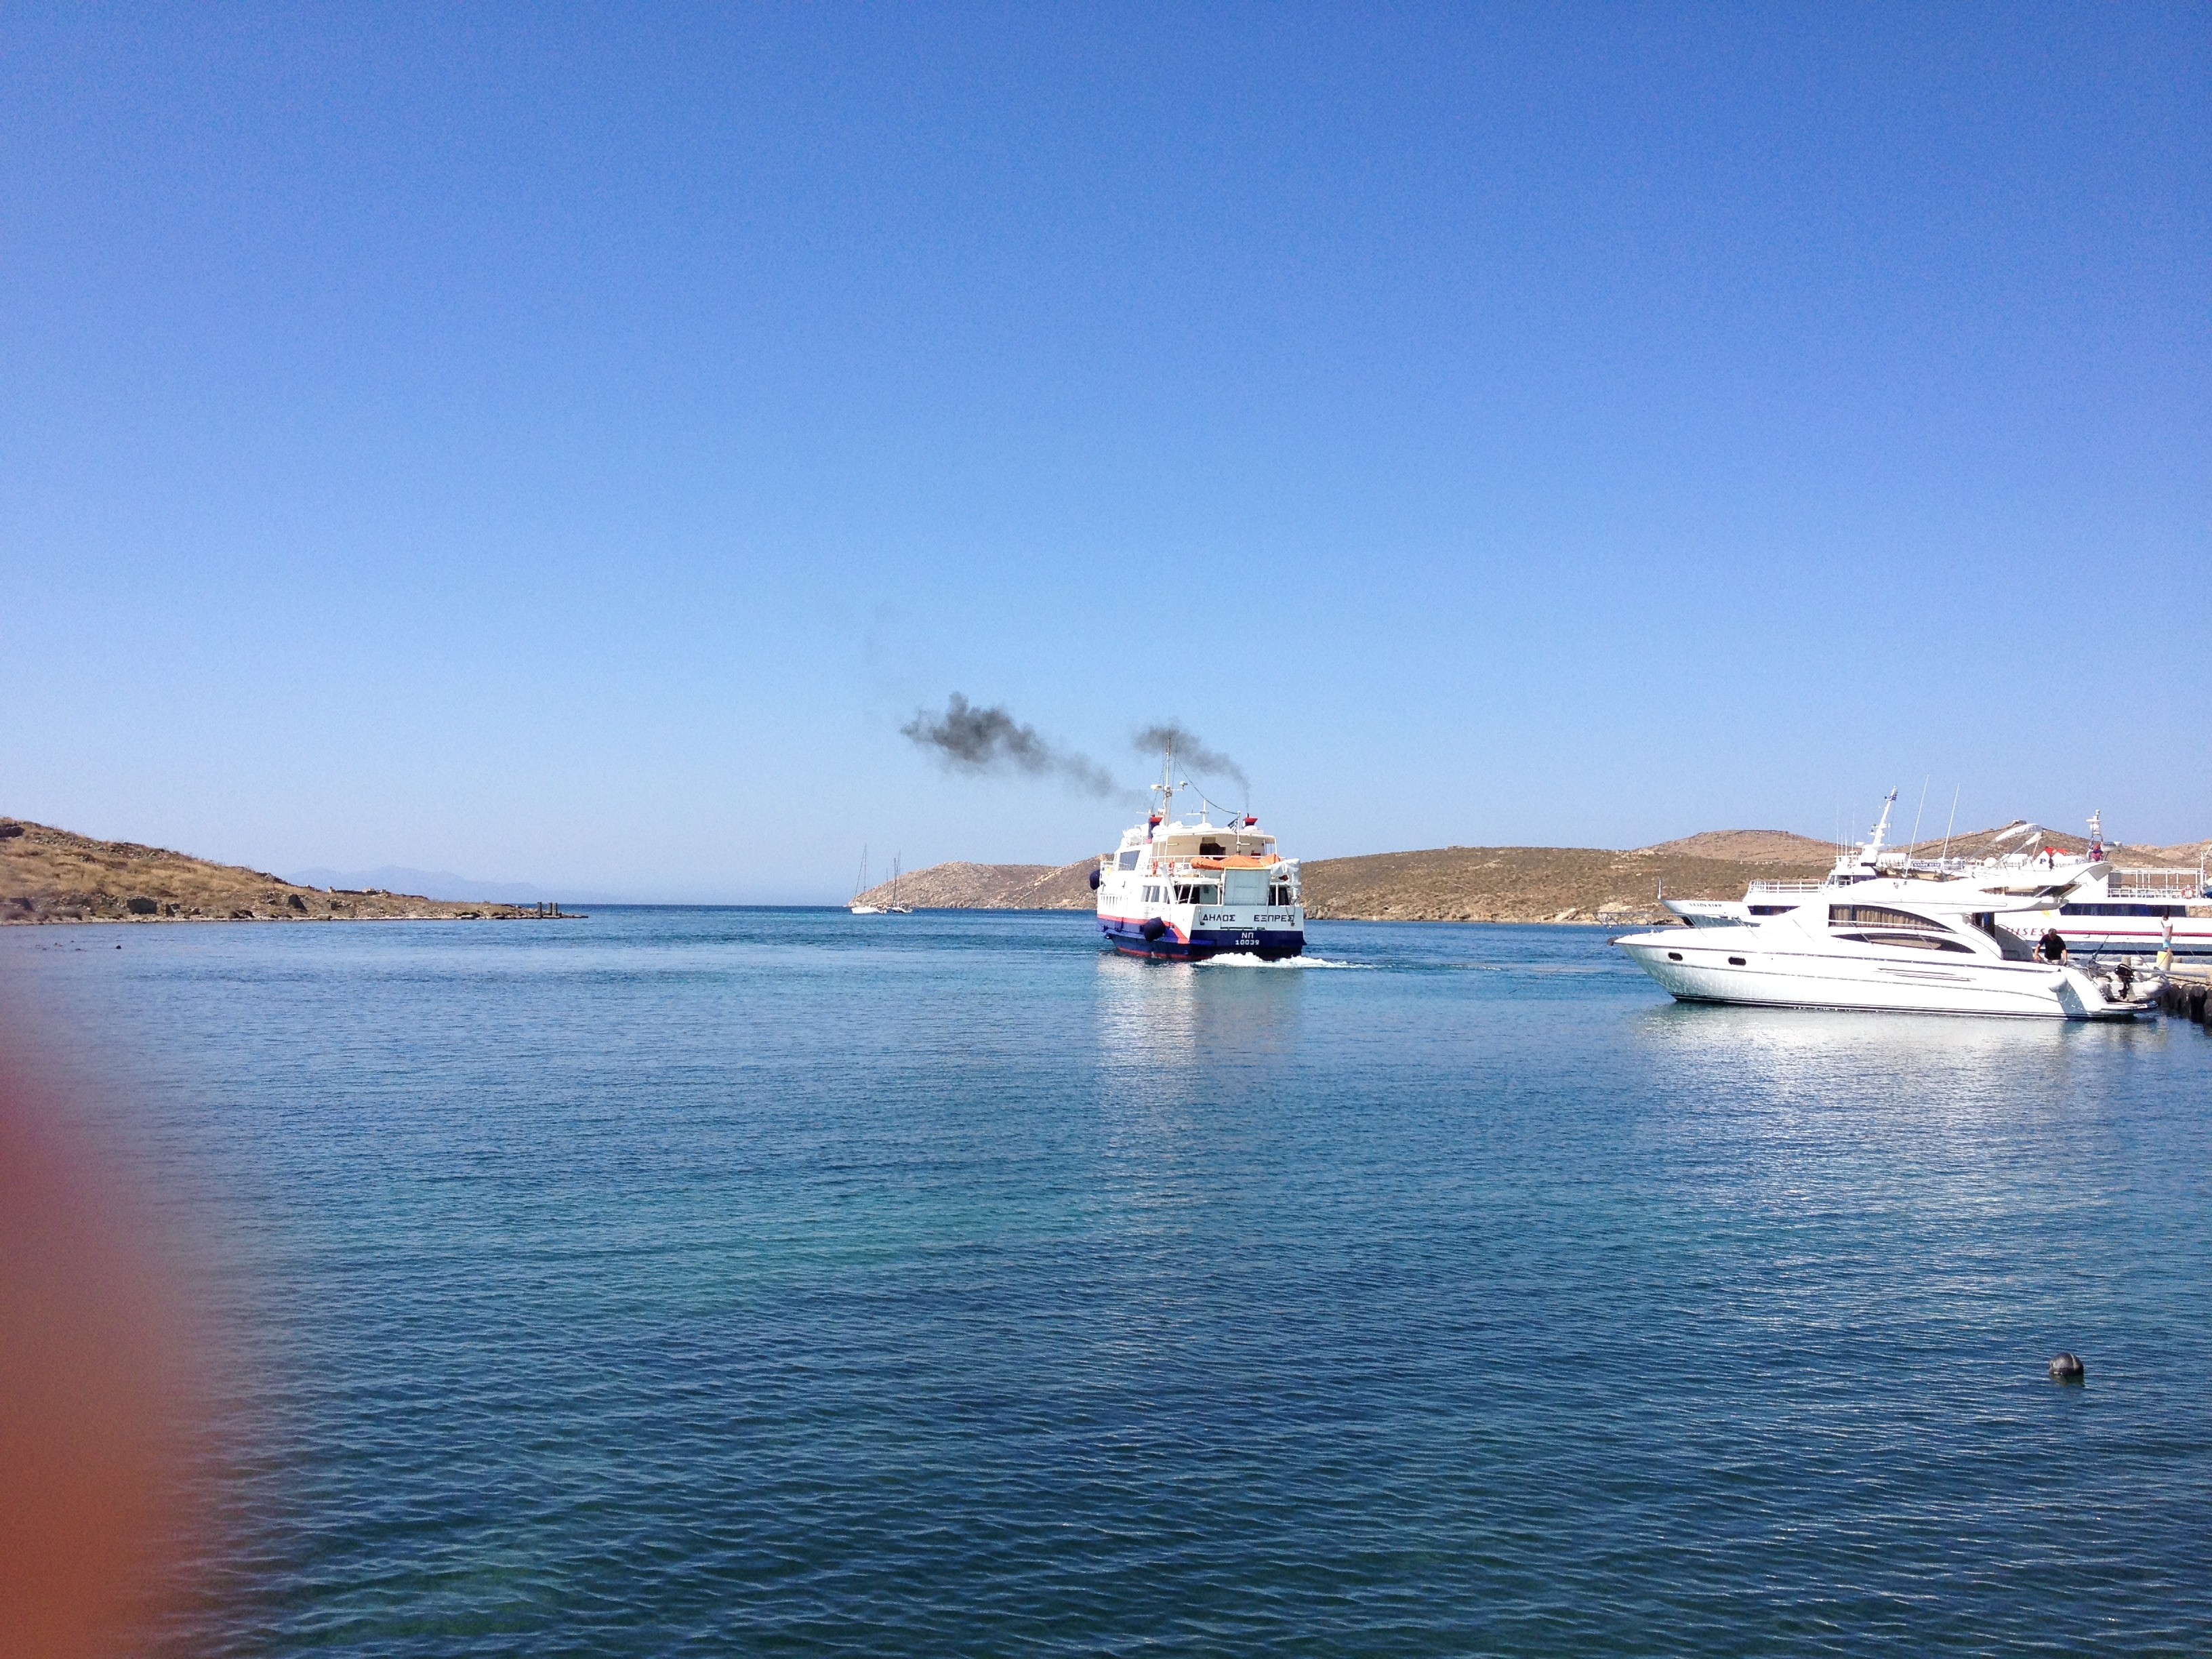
[960,886]
[52,875]
[1497,883]
[1451,883]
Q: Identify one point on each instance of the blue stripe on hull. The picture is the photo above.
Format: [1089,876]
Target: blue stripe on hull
[1271,944]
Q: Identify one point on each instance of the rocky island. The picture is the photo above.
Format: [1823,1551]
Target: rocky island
[55,875]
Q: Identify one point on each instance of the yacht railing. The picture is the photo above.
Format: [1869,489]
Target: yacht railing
[2171,885]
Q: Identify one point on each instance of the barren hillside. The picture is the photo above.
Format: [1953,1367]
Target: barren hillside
[54,875]
[1502,884]
[960,886]
[1529,883]
[1747,846]
[1482,884]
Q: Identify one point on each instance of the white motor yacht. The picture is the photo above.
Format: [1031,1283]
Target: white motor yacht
[1912,942]
[2111,910]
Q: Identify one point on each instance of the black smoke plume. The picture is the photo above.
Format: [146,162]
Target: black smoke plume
[1190,750]
[981,741]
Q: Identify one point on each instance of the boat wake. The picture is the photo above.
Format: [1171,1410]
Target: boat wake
[1247,959]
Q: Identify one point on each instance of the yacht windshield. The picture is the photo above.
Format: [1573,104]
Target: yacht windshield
[1879,915]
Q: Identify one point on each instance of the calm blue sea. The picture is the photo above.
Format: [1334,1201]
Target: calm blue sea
[730,1281]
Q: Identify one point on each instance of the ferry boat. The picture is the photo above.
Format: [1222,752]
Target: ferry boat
[1185,890]
[2111,909]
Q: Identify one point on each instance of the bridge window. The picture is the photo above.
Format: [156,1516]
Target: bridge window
[1915,941]
[1878,915]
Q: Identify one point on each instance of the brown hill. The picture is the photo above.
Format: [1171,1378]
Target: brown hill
[1531,884]
[1747,846]
[960,886]
[1479,883]
[1501,884]
[54,875]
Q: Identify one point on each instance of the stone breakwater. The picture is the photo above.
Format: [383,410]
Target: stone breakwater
[51,875]
[2187,995]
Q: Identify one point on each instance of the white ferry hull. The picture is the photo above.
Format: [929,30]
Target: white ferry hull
[1194,935]
[1695,966]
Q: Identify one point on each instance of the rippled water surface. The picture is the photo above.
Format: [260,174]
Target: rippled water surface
[708,1281]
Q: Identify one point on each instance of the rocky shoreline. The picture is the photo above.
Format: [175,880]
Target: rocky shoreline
[51,875]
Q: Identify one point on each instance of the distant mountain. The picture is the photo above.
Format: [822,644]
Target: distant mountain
[430,884]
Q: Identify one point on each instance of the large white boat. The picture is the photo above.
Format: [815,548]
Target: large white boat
[2111,910]
[1911,941]
[2121,912]
[1188,891]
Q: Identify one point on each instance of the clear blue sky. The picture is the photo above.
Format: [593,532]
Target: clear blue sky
[564,444]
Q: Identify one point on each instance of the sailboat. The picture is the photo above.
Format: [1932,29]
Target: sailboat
[894,908]
[860,886]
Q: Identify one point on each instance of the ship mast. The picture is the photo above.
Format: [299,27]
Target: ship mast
[1881,828]
[1164,789]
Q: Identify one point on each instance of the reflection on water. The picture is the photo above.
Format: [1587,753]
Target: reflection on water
[1929,1129]
[1151,1014]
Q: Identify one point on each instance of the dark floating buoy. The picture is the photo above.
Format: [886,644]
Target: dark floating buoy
[2067,1368]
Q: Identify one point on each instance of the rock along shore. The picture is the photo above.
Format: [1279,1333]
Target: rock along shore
[51,875]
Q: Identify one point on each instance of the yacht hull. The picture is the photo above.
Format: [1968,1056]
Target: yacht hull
[1692,970]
